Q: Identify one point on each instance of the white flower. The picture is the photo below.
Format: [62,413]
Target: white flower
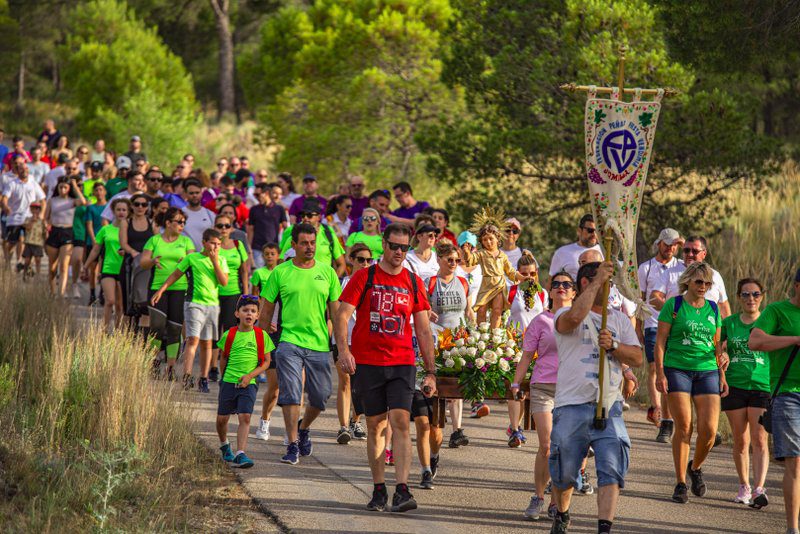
[462,361]
[510,352]
[473,332]
[504,366]
[471,352]
[481,345]
[511,343]
[449,362]
[490,356]
[517,358]
[460,342]
[479,362]
[483,327]
[485,336]
[445,354]
[463,351]
[497,340]
[498,331]
[471,340]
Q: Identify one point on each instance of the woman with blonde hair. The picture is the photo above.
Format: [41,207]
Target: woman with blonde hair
[690,369]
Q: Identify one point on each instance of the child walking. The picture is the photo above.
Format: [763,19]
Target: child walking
[245,355]
[35,232]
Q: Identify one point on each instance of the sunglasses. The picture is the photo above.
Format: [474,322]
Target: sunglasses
[83,152]
[156,180]
[221,163]
[347,206]
[453,261]
[356,185]
[703,283]
[140,204]
[247,299]
[748,294]
[513,231]
[179,221]
[362,259]
[588,229]
[308,214]
[370,218]
[223,226]
[557,284]
[689,250]
[140,163]
[398,246]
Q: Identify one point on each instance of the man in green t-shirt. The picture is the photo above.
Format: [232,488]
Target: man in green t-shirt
[245,355]
[329,250]
[206,272]
[777,331]
[305,288]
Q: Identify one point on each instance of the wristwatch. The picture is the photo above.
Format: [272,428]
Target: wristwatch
[614,345]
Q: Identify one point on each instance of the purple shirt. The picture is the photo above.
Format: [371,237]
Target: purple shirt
[540,337]
[297,205]
[410,213]
[359,205]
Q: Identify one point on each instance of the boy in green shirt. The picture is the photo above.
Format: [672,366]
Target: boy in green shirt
[245,354]
[271,254]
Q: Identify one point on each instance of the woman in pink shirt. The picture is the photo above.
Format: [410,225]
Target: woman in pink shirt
[540,339]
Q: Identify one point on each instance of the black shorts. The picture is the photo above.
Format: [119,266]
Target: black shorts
[382,388]
[227,319]
[109,275]
[744,398]
[78,243]
[14,234]
[59,237]
[422,406]
[33,251]
[233,400]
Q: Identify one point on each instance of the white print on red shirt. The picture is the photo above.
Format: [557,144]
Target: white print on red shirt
[389,310]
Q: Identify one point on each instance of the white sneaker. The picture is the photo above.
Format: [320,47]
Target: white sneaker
[76,292]
[263,430]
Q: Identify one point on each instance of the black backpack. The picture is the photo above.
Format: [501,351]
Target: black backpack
[371,280]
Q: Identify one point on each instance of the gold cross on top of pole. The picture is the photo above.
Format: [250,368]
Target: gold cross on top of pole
[573,87]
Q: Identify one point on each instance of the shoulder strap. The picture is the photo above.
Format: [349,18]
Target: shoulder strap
[677,306]
[512,293]
[262,355]
[464,284]
[236,243]
[431,285]
[414,286]
[785,372]
[715,307]
[541,297]
[368,285]
[229,341]
[330,241]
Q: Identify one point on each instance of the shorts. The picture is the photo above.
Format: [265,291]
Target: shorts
[543,397]
[109,275]
[291,362]
[200,320]
[422,406]
[14,234]
[382,388]
[233,400]
[745,398]
[59,237]
[33,251]
[786,425]
[650,344]
[692,382]
[573,432]
[78,243]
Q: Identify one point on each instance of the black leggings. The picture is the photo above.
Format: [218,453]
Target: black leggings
[171,304]
[227,309]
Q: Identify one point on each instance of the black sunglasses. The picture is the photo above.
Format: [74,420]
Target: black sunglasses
[513,230]
[361,259]
[141,204]
[155,180]
[689,250]
[556,284]
[398,246]
[308,214]
[589,229]
[223,226]
[179,221]
[748,294]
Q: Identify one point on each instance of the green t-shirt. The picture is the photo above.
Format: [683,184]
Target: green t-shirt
[235,257]
[781,319]
[93,213]
[323,253]
[88,189]
[170,255]
[374,242]
[79,223]
[748,369]
[690,346]
[203,287]
[259,278]
[243,358]
[304,295]
[115,185]
[108,238]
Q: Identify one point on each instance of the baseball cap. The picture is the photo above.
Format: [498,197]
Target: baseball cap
[514,222]
[96,166]
[309,178]
[124,162]
[425,228]
[36,205]
[467,237]
[668,236]
[136,138]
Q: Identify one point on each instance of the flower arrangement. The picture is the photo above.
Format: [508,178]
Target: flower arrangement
[482,359]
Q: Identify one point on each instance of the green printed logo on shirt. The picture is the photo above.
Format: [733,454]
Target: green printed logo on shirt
[690,346]
[748,369]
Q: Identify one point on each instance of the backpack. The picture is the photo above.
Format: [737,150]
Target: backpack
[679,302]
[432,285]
[371,279]
[262,355]
[329,235]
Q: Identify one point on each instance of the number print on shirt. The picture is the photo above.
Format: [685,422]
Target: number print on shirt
[386,316]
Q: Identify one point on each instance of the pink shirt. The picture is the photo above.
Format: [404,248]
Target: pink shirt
[540,337]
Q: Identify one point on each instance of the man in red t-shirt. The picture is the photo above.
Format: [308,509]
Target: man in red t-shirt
[381,358]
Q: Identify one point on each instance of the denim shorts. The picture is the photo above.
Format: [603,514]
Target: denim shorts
[236,400]
[692,382]
[573,432]
[291,360]
[650,344]
[786,425]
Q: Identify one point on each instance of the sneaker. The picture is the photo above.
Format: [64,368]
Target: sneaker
[379,500]
[403,501]
[759,499]
[521,435]
[681,493]
[458,439]
[586,485]
[515,440]
[479,409]
[427,480]
[552,510]
[262,378]
[625,406]
[92,300]
[590,454]
[743,497]
[188,382]
[213,374]
[171,375]
[559,526]
[343,437]
[263,430]
[548,489]
[202,385]
[665,431]
[389,457]
[292,453]
[698,485]
[304,442]
[717,440]
[434,466]
[534,509]
[76,292]
[509,431]
[242,461]
[21,267]
[227,453]
[357,431]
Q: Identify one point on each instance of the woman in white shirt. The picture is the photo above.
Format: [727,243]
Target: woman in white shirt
[422,260]
[338,216]
[526,299]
